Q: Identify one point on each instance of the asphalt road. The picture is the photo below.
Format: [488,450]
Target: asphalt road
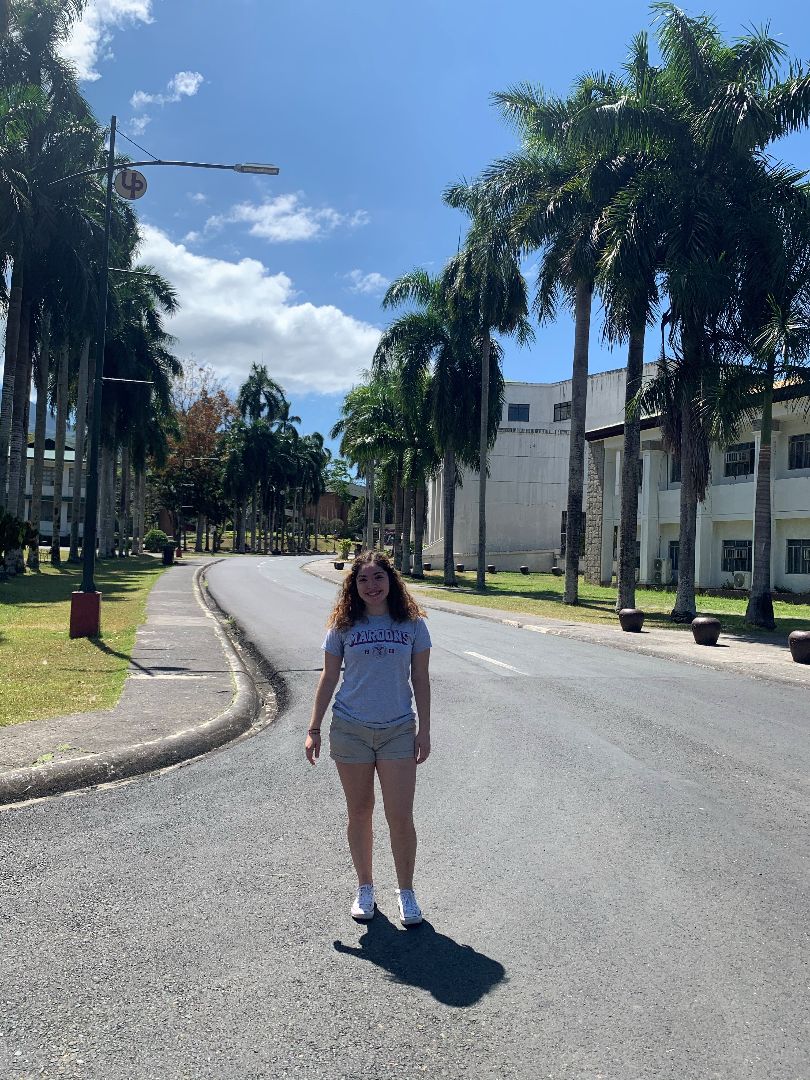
[613,864]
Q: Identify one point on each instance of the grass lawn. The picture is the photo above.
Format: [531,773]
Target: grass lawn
[541,595]
[45,673]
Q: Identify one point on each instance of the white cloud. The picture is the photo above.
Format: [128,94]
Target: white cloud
[372,284]
[183,84]
[92,35]
[232,313]
[138,124]
[197,196]
[285,218]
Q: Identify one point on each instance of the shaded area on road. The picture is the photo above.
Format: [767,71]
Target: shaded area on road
[454,974]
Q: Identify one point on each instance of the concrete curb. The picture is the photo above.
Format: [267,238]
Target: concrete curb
[91,770]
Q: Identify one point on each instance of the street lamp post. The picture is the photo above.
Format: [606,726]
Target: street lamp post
[85,606]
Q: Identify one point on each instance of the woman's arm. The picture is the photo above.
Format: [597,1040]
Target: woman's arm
[420,680]
[323,695]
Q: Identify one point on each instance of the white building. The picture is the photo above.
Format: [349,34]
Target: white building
[723,544]
[527,493]
[48,484]
[527,487]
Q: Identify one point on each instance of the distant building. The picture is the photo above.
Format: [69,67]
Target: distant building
[527,493]
[527,487]
[48,486]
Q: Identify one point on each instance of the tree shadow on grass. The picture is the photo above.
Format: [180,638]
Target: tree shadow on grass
[454,974]
[115,580]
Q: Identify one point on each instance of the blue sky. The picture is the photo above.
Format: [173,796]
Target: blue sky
[370,110]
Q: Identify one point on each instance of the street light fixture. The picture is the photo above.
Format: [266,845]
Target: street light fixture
[85,606]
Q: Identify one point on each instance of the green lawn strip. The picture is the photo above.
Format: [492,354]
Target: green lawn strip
[541,595]
[47,674]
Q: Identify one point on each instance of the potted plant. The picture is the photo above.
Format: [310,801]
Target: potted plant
[631,620]
[799,644]
[705,630]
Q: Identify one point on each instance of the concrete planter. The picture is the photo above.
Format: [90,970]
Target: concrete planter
[524,570]
[631,620]
[491,568]
[799,642]
[338,564]
[427,566]
[459,567]
[705,630]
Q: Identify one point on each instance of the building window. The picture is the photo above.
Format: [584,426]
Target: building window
[736,556]
[47,475]
[674,548]
[799,451]
[564,533]
[562,411]
[739,459]
[674,470]
[798,557]
[519,413]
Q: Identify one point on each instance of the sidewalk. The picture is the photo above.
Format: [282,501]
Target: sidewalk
[755,658]
[187,692]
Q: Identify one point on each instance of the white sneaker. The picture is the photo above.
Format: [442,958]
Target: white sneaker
[364,906]
[409,911]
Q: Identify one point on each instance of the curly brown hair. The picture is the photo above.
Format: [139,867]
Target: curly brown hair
[350,609]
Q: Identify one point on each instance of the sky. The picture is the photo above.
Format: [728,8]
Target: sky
[370,110]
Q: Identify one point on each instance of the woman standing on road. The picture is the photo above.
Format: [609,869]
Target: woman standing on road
[378,629]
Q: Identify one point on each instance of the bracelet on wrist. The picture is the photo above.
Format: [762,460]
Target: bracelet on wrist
[314,731]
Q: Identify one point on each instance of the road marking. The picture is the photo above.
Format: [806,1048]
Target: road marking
[498,663]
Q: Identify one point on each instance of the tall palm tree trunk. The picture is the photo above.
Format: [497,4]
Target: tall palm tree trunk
[19,418]
[449,513]
[576,450]
[199,531]
[480,574]
[78,462]
[684,609]
[59,451]
[43,364]
[407,525]
[398,508]
[631,462]
[139,487]
[13,319]
[124,514]
[418,530]
[254,523]
[759,611]
[370,505]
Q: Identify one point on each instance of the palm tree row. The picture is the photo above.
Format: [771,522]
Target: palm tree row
[656,190]
[50,246]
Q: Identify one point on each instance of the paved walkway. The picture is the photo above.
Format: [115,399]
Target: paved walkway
[188,691]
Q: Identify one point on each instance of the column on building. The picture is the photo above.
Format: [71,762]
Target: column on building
[654,466]
[594,501]
[610,503]
[778,448]
[704,537]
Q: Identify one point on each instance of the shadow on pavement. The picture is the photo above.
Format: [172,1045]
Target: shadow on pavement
[454,974]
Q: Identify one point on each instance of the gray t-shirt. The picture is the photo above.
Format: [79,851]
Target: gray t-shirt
[376,688]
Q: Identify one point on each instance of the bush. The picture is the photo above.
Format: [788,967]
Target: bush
[155,540]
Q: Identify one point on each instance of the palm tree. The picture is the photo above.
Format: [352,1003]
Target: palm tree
[435,338]
[552,191]
[485,285]
[703,122]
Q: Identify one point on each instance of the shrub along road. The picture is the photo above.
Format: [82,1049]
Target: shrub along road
[613,865]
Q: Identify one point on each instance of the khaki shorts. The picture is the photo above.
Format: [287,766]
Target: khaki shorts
[356,744]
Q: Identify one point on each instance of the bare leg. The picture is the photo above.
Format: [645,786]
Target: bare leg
[358,787]
[398,783]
